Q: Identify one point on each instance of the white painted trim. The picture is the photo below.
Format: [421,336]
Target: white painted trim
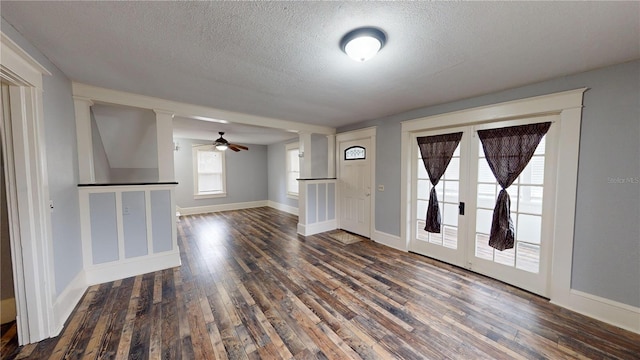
[282,207]
[116,270]
[305,154]
[22,67]
[288,147]
[331,156]
[164,135]
[545,104]
[370,133]
[67,301]
[316,228]
[30,218]
[84,139]
[222,207]
[192,111]
[7,310]
[389,240]
[621,315]
[194,169]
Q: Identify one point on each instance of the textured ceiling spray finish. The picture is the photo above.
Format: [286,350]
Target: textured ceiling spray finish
[282,59]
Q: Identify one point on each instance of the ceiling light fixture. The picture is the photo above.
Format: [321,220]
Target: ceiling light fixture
[363,43]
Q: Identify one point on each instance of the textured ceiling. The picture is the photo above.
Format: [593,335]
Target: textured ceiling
[281,59]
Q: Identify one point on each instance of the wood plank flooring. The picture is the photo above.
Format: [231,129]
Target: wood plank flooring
[251,288]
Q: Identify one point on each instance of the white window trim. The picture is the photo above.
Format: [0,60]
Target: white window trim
[194,156]
[288,147]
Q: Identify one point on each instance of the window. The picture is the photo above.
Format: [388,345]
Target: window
[208,172]
[293,169]
[355,153]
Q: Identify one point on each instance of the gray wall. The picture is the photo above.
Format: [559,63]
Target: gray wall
[277,175]
[6,272]
[319,158]
[62,162]
[606,259]
[129,175]
[246,175]
[101,167]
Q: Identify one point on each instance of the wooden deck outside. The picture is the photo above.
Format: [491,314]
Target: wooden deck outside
[250,288]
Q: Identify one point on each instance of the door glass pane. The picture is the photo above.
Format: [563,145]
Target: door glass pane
[483,221]
[451,191]
[450,216]
[530,200]
[483,250]
[528,257]
[484,172]
[506,257]
[487,196]
[529,228]
[422,209]
[453,170]
[450,237]
[440,190]
[435,238]
[533,173]
[421,234]
[424,186]
[422,172]
[541,146]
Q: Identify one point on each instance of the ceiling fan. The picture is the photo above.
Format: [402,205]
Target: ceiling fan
[222,144]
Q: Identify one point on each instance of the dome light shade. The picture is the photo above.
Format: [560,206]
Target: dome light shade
[363,43]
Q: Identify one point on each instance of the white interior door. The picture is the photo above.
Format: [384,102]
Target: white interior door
[355,186]
[464,238]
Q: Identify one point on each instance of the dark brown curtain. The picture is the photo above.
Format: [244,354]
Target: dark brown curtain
[436,154]
[508,151]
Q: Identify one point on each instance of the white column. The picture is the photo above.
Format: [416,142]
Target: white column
[84,138]
[331,156]
[305,150]
[164,131]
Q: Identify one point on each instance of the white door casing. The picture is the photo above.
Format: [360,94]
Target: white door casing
[28,193]
[465,236]
[356,199]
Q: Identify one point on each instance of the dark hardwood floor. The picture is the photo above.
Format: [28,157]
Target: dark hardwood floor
[251,288]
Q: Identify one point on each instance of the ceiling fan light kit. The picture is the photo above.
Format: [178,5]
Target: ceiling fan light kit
[222,144]
[363,43]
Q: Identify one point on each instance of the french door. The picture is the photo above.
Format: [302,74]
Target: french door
[467,194]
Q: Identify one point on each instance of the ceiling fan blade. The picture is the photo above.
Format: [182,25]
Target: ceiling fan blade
[233,147]
[241,147]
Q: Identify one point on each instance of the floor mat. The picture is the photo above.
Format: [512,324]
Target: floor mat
[345,237]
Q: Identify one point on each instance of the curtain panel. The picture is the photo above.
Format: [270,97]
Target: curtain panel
[436,152]
[508,151]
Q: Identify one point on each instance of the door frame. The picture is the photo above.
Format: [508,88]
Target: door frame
[568,106]
[360,134]
[28,193]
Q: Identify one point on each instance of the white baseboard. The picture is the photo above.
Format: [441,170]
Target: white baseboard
[312,229]
[67,301]
[116,270]
[615,313]
[389,240]
[282,207]
[7,310]
[222,207]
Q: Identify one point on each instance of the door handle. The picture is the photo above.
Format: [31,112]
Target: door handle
[461,208]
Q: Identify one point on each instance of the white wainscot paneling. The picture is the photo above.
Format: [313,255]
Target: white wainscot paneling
[127,230]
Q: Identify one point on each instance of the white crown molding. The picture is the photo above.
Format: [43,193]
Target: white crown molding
[192,111]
